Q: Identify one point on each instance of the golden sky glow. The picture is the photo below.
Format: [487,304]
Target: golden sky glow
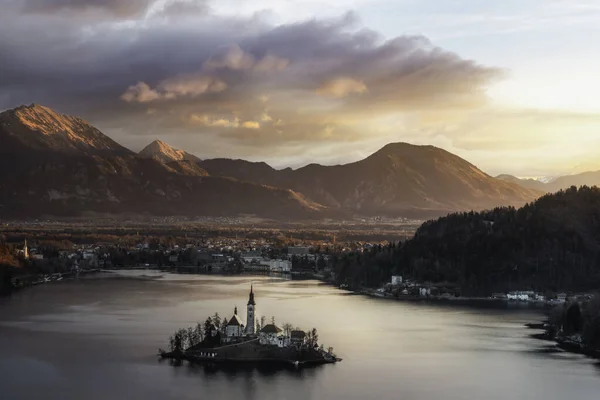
[511,87]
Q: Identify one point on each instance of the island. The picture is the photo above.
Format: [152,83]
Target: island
[231,341]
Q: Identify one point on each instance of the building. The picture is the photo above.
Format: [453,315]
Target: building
[284,266]
[235,327]
[271,334]
[251,314]
[396,280]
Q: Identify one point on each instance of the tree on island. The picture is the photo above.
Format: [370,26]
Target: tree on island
[273,320]
[288,328]
[224,325]
[208,327]
[216,319]
[312,337]
[263,320]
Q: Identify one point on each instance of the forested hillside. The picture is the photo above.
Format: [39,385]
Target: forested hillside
[550,244]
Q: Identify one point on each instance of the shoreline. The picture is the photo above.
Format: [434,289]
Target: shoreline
[563,343]
[245,361]
[450,300]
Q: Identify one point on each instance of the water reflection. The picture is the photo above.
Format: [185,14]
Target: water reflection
[97,339]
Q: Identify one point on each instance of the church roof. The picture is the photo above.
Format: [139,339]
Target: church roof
[271,328]
[235,321]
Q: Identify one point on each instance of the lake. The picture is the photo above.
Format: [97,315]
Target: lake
[97,338]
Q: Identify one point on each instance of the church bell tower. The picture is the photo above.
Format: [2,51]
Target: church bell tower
[251,314]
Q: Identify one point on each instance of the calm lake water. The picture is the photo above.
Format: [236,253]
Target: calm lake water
[97,339]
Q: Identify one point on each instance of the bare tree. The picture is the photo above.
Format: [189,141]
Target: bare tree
[263,319]
[287,328]
[273,320]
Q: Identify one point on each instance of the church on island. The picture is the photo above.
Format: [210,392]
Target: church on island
[270,334]
[234,341]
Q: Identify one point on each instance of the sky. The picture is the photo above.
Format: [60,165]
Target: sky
[511,86]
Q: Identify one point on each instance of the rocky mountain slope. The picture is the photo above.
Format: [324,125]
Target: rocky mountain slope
[53,164]
[37,127]
[162,152]
[56,165]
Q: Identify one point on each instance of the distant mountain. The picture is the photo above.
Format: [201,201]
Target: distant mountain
[399,179]
[162,152]
[54,164]
[526,183]
[591,178]
[57,165]
[36,127]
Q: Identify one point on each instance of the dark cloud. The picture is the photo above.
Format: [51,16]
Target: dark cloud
[238,80]
[117,8]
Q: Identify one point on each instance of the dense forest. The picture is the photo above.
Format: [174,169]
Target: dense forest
[8,262]
[578,319]
[552,244]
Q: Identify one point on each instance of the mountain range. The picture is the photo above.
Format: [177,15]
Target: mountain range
[57,165]
[590,178]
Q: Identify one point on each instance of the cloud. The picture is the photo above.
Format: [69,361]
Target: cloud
[233,57]
[251,125]
[115,8]
[211,78]
[173,88]
[341,87]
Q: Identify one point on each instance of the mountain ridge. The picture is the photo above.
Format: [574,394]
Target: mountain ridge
[400,178]
[165,153]
[40,128]
[588,178]
[64,164]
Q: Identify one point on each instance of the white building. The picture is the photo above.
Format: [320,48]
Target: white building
[271,334]
[521,295]
[235,327]
[280,266]
[396,280]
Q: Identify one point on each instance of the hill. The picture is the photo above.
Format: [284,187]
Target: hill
[550,244]
[57,165]
[399,180]
[162,152]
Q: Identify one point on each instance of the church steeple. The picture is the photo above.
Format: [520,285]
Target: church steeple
[251,313]
[251,297]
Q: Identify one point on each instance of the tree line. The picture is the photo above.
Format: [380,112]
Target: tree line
[552,244]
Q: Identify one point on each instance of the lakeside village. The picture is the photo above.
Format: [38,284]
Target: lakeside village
[234,256]
[406,289]
[227,256]
[233,342]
